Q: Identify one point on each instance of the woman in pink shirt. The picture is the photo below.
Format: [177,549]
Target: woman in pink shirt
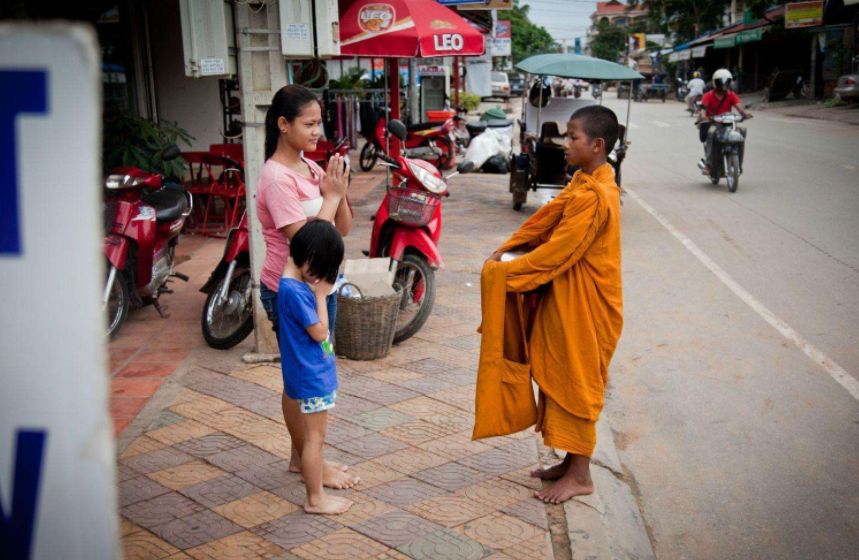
[292,190]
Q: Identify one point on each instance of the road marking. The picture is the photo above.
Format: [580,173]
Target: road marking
[838,373]
[850,167]
[661,124]
[633,125]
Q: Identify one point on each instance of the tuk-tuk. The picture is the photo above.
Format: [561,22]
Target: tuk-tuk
[543,124]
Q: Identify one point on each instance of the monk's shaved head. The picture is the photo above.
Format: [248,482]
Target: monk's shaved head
[598,122]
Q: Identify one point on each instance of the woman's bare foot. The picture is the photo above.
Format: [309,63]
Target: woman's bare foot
[295,465]
[328,505]
[339,480]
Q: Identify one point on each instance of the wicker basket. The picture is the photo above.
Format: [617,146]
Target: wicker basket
[365,326]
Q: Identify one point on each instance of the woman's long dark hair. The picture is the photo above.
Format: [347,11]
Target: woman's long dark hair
[287,103]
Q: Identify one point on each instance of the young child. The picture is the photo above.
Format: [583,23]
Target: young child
[566,341]
[307,357]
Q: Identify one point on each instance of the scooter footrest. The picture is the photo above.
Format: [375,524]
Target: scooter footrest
[181,276]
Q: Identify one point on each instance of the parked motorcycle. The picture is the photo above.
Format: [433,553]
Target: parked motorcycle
[681,90]
[430,141]
[596,90]
[407,228]
[228,312]
[143,215]
[727,151]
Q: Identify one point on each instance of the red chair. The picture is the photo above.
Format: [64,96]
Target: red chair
[214,176]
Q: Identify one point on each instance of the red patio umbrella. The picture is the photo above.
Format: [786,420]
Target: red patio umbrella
[404,29]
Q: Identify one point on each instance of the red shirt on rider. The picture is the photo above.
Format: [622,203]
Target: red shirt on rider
[715,105]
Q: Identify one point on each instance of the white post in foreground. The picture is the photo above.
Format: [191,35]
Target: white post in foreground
[57,474]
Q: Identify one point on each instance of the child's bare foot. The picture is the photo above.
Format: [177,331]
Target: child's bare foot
[550,473]
[328,505]
[566,487]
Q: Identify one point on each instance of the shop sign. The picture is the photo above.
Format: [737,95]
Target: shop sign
[502,43]
[725,42]
[803,14]
[751,35]
[484,5]
[57,459]
[699,52]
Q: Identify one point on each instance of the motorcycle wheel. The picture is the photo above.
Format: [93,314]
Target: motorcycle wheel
[714,179]
[226,323]
[447,156]
[733,175]
[519,198]
[367,159]
[118,303]
[417,280]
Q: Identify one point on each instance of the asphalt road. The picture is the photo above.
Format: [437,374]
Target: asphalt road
[742,315]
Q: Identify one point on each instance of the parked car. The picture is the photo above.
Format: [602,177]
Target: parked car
[500,85]
[848,86]
[517,83]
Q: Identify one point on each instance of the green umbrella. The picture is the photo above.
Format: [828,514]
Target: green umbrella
[577,66]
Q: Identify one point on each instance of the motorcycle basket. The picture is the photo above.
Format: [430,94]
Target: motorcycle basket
[412,207]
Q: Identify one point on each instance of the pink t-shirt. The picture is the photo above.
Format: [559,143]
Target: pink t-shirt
[283,197]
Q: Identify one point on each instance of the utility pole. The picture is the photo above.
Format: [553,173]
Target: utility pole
[262,71]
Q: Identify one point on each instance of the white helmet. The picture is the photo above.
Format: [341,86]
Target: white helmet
[722,77]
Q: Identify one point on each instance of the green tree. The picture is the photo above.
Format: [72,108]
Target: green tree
[609,42]
[528,38]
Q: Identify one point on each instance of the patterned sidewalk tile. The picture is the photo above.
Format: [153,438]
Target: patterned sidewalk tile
[455,446]
[380,419]
[412,460]
[451,476]
[185,475]
[295,529]
[242,458]
[374,473]
[138,489]
[161,509]
[140,445]
[445,544]
[241,546]
[210,444]
[255,509]
[496,492]
[529,510]
[220,490]
[269,476]
[500,531]
[181,431]
[450,511]
[196,529]
[371,446]
[405,491]
[157,460]
[416,432]
[343,544]
[396,528]
[142,545]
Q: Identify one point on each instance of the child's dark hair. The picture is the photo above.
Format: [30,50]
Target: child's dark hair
[319,244]
[288,103]
[598,122]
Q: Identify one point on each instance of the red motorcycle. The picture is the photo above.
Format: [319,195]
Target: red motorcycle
[143,217]
[430,141]
[407,228]
[228,312]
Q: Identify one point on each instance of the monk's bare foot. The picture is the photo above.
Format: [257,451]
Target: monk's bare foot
[328,505]
[566,487]
[337,479]
[295,465]
[551,473]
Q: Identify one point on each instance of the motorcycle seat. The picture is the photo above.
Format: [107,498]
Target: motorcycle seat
[475,128]
[422,126]
[169,203]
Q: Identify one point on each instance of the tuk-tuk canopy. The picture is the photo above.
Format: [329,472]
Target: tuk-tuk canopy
[577,66]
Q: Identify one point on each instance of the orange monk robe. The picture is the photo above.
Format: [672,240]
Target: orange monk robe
[574,249]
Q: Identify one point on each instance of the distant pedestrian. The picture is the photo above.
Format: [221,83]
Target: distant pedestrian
[293,189]
[306,354]
[564,333]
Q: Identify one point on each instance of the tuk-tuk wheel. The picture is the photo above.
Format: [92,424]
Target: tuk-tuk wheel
[519,198]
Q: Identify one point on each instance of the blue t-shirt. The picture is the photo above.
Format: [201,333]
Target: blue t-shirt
[308,367]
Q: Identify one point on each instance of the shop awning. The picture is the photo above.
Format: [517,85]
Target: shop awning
[405,29]
[734,39]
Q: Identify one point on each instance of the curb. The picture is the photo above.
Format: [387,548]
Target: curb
[607,524]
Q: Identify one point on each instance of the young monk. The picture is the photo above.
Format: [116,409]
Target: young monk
[570,327]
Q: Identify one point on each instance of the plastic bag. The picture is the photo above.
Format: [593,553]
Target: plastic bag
[494,141]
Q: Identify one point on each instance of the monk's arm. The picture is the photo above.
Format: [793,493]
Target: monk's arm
[534,227]
[579,226]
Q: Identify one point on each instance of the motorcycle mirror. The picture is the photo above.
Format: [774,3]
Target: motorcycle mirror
[398,129]
[170,152]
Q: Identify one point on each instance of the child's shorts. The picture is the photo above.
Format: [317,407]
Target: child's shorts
[318,404]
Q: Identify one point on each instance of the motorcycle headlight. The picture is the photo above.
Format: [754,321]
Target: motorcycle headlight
[115,182]
[432,183]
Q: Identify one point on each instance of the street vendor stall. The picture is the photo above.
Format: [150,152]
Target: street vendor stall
[542,163]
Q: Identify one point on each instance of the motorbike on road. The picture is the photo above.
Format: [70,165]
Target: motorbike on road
[143,216]
[430,141]
[727,150]
[407,228]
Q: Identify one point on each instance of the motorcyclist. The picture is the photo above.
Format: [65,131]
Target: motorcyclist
[696,89]
[718,101]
